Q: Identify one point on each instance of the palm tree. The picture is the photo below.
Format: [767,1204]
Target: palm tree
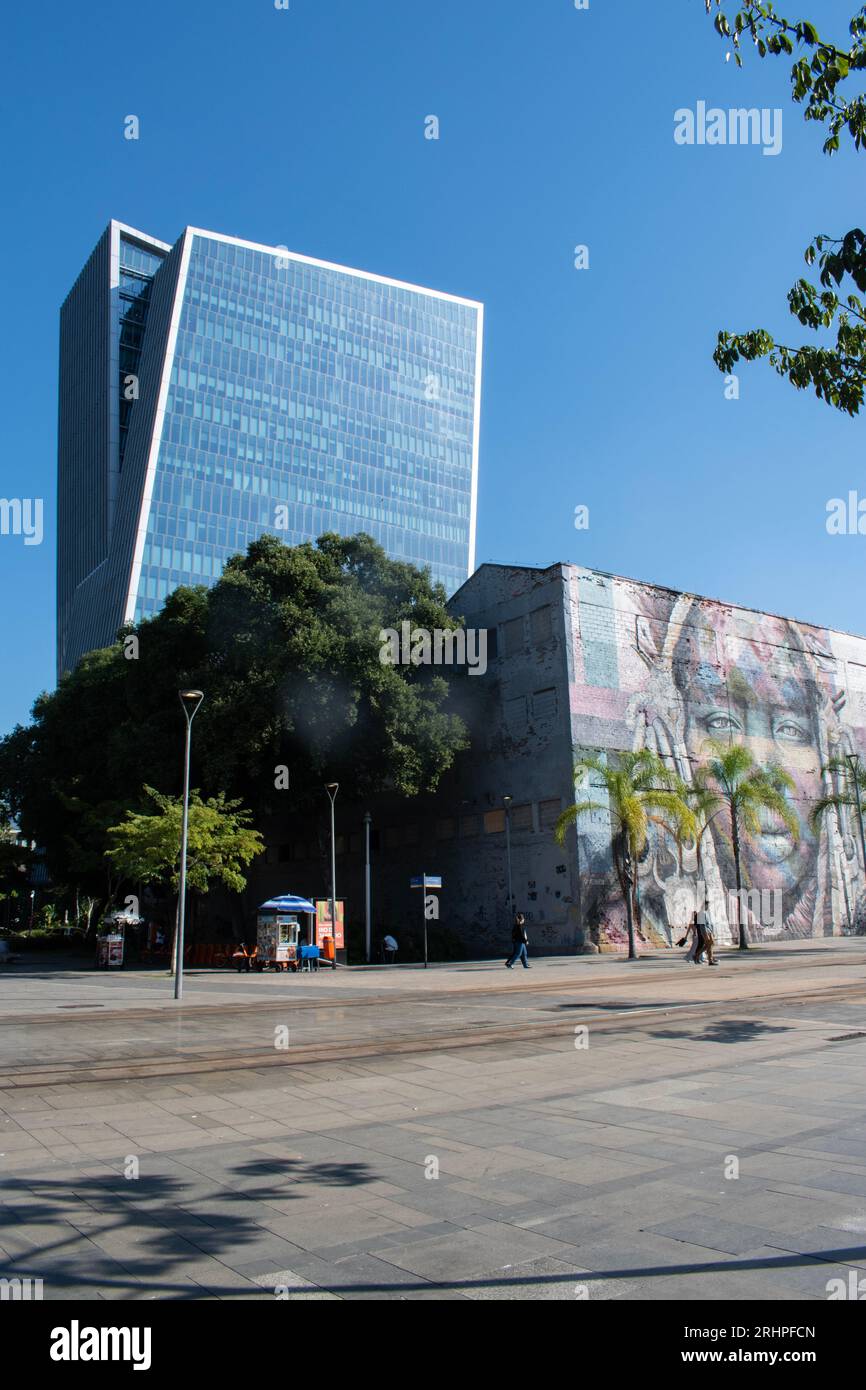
[705,804]
[640,790]
[734,778]
[849,779]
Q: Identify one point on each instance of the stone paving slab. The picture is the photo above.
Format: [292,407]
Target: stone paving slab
[604,1169]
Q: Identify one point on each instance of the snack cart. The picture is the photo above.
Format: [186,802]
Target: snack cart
[110,943]
[279,930]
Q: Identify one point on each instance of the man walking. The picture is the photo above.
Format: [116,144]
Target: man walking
[706,940]
[519,941]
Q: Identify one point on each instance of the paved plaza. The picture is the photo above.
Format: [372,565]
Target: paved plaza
[591,1129]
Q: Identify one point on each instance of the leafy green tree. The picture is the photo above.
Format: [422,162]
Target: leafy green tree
[221,843]
[821,78]
[731,780]
[286,647]
[14,864]
[640,790]
[297,632]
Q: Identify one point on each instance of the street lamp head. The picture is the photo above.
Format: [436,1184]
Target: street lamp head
[508,800]
[332,786]
[189,703]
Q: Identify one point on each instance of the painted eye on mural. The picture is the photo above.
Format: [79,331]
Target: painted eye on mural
[791,731]
[723,723]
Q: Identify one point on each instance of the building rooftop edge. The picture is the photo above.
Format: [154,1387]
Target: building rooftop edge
[668,588]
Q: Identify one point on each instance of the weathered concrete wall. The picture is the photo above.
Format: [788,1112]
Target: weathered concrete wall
[580,661]
[518,714]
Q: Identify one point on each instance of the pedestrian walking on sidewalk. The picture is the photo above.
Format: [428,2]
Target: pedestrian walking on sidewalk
[693,937]
[706,940]
[519,941]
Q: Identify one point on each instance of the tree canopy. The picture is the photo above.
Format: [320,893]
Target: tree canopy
[286,647]
[821,78]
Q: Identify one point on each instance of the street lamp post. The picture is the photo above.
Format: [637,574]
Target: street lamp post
[368,821]
[332,788]
[507,803]
[190,701]
[853,761]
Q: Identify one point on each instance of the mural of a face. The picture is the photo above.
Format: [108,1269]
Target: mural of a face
[760,691]
[669,671]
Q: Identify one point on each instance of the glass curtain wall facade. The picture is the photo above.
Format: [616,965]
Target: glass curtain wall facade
[261,391]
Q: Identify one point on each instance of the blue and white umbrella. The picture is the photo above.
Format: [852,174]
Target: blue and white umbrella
[287,903]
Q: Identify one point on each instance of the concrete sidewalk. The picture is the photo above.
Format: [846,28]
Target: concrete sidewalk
[711,1156]
[30,986]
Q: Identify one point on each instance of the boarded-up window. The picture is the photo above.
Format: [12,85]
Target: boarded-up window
[515,712]
[446,829]
[392,837]
[470,825]
[540,627]
[411,836]
[544,703]
[513,631]
[521,817]
[494,822]
[548,812]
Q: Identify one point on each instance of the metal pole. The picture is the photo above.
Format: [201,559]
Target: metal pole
[424,910]
[507,801]
[332,788]
[368,820]
[197,696]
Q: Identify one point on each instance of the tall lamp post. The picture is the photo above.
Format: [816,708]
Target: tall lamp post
[190,701]
[368,821]
[332,788]
[507,803]
[853,761]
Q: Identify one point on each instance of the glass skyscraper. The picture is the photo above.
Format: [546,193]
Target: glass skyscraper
[217,389]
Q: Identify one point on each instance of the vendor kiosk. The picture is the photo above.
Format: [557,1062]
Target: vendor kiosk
[284,933]
[110,943]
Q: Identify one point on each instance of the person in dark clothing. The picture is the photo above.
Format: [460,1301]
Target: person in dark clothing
[519,941]
[692,936]
[706,940]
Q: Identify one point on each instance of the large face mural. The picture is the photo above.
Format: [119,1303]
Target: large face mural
[669,671]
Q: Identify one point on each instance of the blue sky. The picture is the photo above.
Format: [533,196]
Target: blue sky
[306,128]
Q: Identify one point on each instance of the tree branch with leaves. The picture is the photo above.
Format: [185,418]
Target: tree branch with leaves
[835,371]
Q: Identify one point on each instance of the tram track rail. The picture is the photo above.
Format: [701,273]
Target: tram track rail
[603,1019]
